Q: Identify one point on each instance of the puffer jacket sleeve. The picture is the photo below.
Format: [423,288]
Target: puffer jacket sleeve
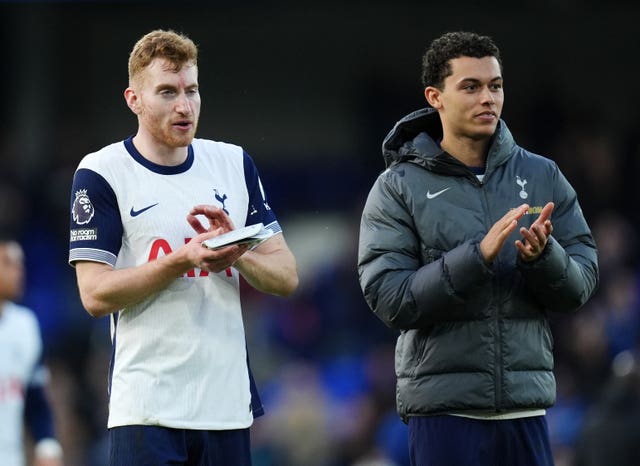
[402,291]
[566,274]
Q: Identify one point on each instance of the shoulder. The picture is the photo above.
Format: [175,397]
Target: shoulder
[396,184]
[536,167]
[216,148]
[100,159]
[19,317]
[20,327]
[222,156]
[404,174]
[535,161]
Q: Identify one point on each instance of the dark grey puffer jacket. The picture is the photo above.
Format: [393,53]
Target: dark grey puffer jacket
[473,336]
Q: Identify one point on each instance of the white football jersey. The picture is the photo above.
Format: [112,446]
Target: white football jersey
[179,357]
[20,350]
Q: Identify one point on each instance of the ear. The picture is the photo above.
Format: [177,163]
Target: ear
[132,99]
[432,94]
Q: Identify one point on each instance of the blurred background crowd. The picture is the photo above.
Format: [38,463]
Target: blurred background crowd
[310,90]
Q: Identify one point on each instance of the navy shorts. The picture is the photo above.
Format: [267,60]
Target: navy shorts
[456,441]
[161,446]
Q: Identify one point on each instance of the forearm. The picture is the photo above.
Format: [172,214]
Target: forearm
[37,412]
[412,298]
[450,281]
[270,268]
[104,290]
[39,421]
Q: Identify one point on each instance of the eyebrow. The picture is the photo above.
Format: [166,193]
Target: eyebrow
[166,86]
[476,80]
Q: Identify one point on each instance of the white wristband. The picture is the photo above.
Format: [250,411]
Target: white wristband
[48,448]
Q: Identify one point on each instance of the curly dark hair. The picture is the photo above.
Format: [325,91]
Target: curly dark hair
[436,65]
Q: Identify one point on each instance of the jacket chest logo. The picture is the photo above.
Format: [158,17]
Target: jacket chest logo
[431,195]
[521,182]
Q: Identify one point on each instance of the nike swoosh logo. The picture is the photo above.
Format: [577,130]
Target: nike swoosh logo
[432,195]
[135,213]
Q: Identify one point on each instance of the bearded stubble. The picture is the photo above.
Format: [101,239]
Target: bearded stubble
[163,132]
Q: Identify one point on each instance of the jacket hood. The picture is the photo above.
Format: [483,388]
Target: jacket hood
[414,138]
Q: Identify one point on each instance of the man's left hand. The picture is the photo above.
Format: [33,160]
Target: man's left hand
[535,239]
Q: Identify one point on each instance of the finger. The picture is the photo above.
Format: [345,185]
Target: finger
[508,229]
[218,217]
[497,235]
[202,209]
[527,253]
[545,213]
[208,211]
[241,249]
[195,224]
[529,236]
[221,259]
[509,222]
[518,212]
[522,248]
[540,233]
[207,234]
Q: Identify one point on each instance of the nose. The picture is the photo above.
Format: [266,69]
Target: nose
[183,105]
[487,96]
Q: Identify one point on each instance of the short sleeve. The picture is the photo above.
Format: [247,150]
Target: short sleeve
[259,210]
[95,232]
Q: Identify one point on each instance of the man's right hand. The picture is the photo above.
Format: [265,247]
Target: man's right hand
[495,238]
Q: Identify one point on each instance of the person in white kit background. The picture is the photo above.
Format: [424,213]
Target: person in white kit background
[180,387]
[23,378]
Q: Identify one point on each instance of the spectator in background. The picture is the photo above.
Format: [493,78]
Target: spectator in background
[22,376]
[441,258]
[611,430]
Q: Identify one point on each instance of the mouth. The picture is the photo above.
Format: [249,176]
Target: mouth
[487,116]
[183,124]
